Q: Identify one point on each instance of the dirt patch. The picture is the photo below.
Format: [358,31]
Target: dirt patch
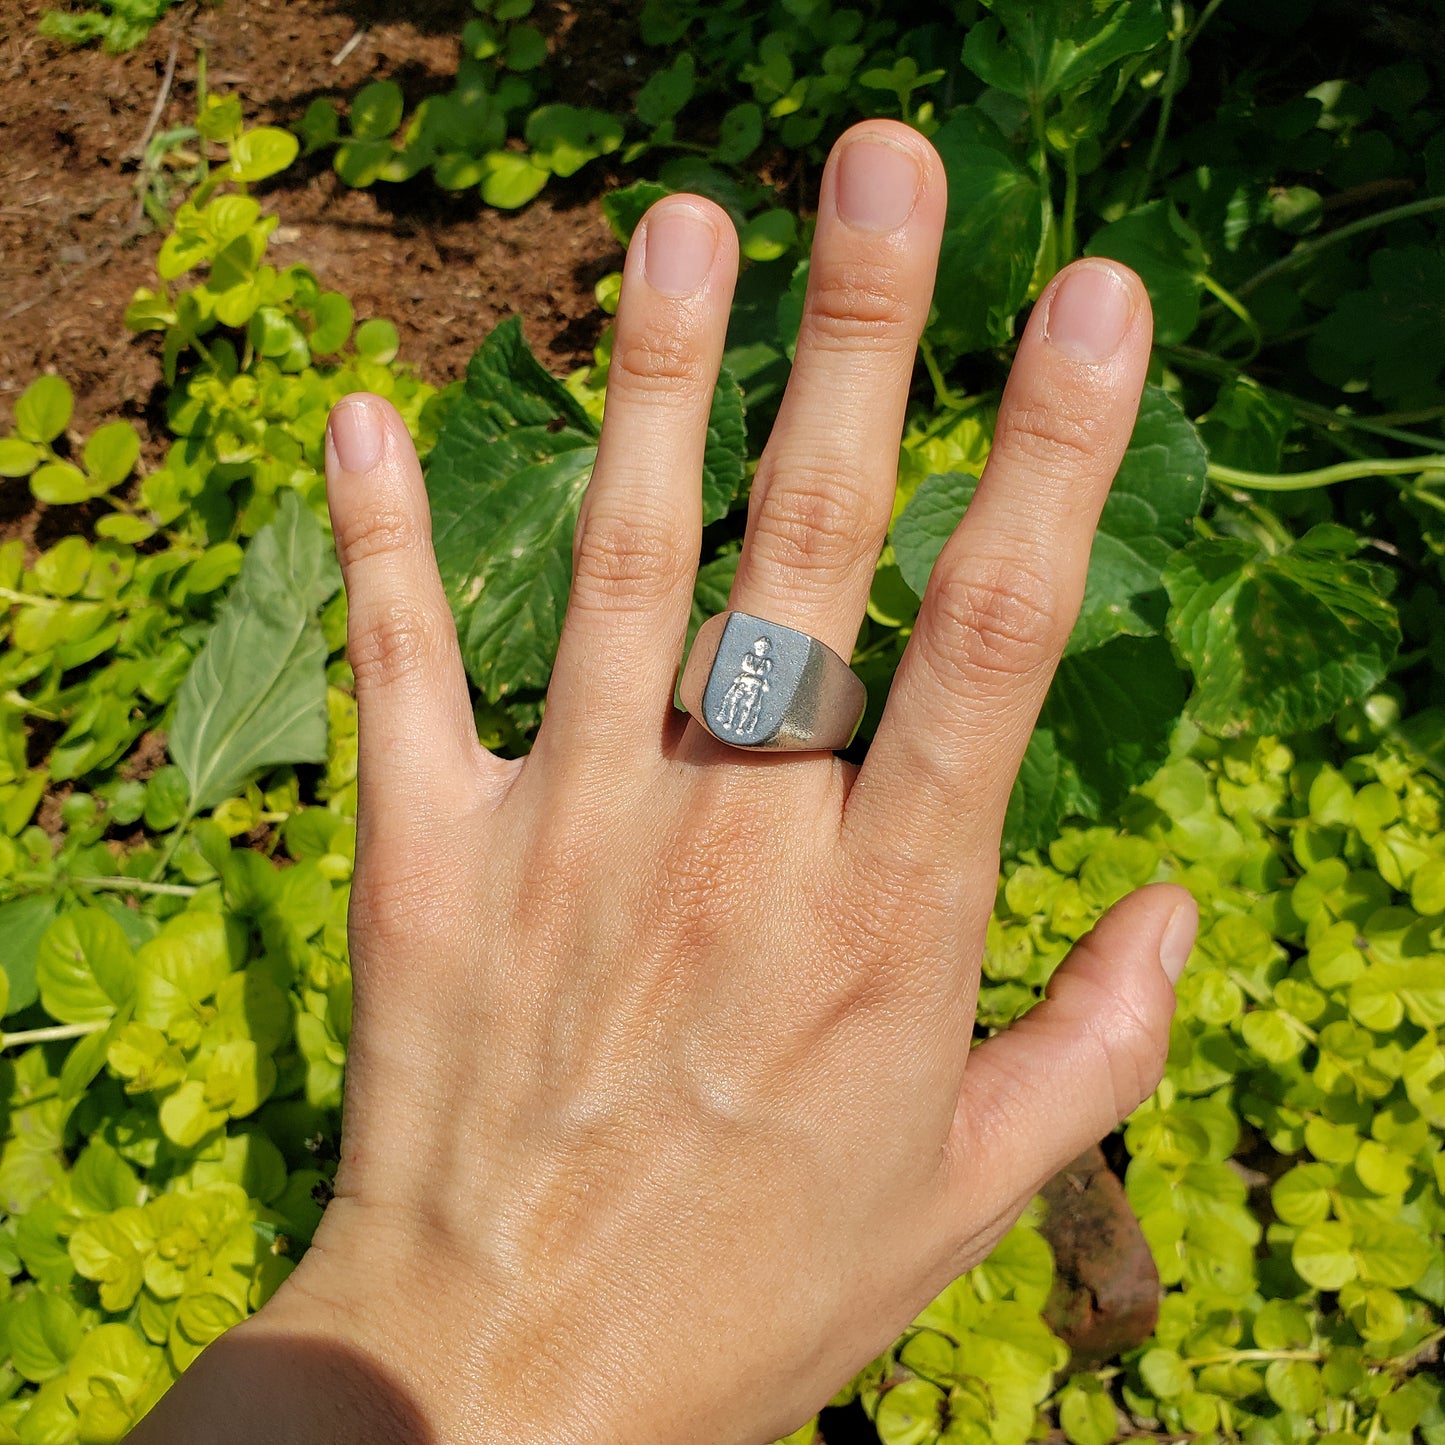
[74,244]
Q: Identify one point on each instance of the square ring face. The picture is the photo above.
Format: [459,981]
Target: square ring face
[754,680]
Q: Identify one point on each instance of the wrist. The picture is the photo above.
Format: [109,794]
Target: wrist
[282,1376]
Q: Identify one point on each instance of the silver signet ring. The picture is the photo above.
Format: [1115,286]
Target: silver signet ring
[758,684]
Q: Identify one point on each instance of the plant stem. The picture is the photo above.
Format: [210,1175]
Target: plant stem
[33,598]
[1234,305]
[945,394]
[172,844]
[1325,476]
[49,1035]
[1067,243]
[134,885]
[1307,249]
[1230,1357]
[1167,93]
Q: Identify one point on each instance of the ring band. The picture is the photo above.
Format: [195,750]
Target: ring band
[758,684]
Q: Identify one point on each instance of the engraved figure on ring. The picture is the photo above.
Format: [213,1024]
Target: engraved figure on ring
[743,700]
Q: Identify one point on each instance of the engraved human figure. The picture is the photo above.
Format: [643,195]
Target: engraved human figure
[743,700]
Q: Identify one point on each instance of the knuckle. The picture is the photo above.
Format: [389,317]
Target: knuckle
[809,524]
[996,617]
[852,305]
[625,561]
[660,363]
[390,642]
[1050,436]
[370,531]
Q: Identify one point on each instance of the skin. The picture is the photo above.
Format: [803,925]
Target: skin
[661,1113]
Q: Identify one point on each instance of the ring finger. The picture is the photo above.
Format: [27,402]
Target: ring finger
[823,493]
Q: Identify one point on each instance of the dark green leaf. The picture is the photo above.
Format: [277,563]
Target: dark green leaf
[255,696]
[991,236]
[513,436]
[376,111]
[1055,46]
[724,460]
[22,922]
[1104,729]
[1277,643]
[1148,514]
[1169,257]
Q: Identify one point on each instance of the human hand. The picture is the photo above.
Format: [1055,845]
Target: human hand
[661,1113]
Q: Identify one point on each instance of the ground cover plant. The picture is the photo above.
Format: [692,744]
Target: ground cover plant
[1250,704]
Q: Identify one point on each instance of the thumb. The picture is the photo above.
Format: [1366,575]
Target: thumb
[1037,1095]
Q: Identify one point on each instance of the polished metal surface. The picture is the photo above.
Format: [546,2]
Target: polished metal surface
[758,684]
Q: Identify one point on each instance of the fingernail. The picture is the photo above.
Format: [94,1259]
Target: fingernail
[1089,313]
[358,433]
[1178,940]
[678,250]
[877,184]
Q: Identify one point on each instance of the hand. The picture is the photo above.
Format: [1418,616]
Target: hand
[661,1113]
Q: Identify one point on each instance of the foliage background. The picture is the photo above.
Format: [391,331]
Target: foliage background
[1250,704]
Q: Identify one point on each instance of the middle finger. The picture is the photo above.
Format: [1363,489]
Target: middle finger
[823,493]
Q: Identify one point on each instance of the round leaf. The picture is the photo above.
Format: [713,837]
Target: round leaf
[84,966]
[262,152]
[60,484]
[44,1333]
[18,458]
[377,110]
[377,340]
[1322,1254]
[769,235]
[111,452]
[44,409]
[512,179]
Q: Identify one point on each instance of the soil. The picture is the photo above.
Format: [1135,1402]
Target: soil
[75,243]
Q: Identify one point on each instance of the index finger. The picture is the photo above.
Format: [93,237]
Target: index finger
[1006,589]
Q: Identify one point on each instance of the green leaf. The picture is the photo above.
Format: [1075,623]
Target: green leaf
[1087,1414]
[1104,729]
[377,340]
[255,697]
[360,162]
[507,473]
[724,459]
[61,484]
[44,409]
[1390,334]
[1322,1256]
[511,180]
[624,208]
[19,458]
[740,134]
[45,1332]
[526,48]
[320,125]
[769,235]
[565,137]
[111,452]
[376,110]
[1169,257]
[1148,514]
[262,152]
[991,235]
[1056,46]
[1165,1374]
[84,966]
[666,92]
[102,1181]
[927,522]
[23,922]
[1277,643]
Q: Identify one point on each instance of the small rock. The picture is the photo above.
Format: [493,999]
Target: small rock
[1106,1289]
